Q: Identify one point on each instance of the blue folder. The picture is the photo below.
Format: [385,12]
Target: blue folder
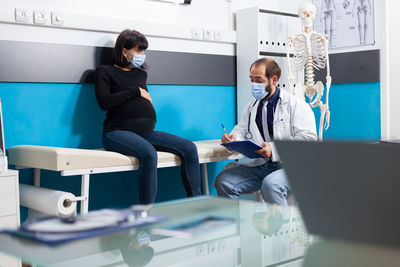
[246,148]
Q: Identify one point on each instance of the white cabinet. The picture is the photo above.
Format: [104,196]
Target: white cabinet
[9,199]
[262,33]
[9,209]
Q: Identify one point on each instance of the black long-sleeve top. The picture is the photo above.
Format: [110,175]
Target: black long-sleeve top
[117,91]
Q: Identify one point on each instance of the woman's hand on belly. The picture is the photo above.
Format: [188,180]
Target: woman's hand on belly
[145,95]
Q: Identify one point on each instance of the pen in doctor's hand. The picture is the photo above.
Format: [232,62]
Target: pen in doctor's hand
[223,127]
[226,137]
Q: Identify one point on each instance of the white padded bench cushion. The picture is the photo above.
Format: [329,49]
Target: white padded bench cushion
[61,159]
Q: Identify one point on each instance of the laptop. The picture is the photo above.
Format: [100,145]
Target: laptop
[346,190]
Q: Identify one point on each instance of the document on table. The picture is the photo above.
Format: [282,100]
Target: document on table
[54,230]
[199,228]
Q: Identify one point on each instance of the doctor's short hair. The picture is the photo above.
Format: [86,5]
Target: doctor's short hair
[271,67]
[127,39]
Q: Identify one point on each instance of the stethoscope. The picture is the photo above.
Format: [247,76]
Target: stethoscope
[248,134]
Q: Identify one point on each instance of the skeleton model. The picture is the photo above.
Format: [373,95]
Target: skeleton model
[327,9]
[310,51]
[362,11]
[346,4]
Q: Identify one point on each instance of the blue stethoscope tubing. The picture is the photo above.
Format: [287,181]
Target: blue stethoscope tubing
[248,134]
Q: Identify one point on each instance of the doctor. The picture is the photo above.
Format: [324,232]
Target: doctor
[273,115]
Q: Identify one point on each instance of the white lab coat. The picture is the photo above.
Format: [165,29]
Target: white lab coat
[293,120]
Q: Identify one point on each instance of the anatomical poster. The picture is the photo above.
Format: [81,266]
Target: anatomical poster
[346,22]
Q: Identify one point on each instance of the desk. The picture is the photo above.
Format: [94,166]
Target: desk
[240,244]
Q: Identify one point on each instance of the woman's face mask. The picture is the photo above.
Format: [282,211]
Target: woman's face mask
[137,60]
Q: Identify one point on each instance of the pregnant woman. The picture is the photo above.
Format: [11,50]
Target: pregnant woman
[130,121]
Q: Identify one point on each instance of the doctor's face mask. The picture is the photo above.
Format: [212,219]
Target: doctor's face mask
[259,90]
[260,84]
[267,71]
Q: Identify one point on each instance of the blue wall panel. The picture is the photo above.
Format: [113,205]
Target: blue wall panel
[355,112]
[67,115]
[51,114]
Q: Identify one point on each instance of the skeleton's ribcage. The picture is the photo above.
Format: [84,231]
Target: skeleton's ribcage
[301,52]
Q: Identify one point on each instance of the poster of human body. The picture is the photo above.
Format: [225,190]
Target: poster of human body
[346,22]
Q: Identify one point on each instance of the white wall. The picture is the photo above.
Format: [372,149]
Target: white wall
[168,26]
[200,12]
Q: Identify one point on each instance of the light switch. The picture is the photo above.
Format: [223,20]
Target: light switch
[201,251]
[22,15]
[39,17]
[218,35]
[221,245]
[212,247]
[57,19]
[197,33]
[208,34]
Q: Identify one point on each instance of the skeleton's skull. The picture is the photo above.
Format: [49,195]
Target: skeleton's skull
[307,13]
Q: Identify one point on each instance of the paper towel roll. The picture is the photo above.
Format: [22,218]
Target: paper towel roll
[48,201]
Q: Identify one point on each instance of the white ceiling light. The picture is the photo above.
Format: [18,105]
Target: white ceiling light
[182,2]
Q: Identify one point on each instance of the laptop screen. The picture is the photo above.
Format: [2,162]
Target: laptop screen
[346,190]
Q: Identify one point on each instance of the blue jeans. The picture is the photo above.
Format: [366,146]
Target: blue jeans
[130,143]
[237,179]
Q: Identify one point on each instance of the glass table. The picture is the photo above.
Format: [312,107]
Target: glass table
[252,234]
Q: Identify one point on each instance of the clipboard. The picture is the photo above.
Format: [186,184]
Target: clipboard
[246,148]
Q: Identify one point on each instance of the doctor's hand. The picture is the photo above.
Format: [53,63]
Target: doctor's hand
[228,138]
[266,151]
[145,95]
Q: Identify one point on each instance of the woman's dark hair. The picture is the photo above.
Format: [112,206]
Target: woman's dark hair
[128,39]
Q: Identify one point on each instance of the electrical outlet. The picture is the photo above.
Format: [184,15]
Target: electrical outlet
[217,35]
[201,251]
[212,248]
[208,34]
[39,17]
[197,33]
[57,19]
[22,15]
[221,245]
